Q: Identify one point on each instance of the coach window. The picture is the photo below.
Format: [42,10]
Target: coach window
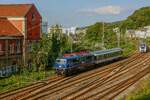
[88,58]
[105,56]
[102,56]
[116,53]
[84,59]
[97,57]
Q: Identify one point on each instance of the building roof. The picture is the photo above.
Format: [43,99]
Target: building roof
[7,29]
[14,10]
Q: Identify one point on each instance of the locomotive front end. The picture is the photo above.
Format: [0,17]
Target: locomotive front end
[60,66]
[143,48]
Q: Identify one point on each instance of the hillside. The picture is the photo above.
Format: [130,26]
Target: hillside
[138,19]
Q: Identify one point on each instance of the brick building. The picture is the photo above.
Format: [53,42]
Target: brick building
[20,27]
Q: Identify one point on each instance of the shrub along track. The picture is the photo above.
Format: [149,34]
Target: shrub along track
[70,86]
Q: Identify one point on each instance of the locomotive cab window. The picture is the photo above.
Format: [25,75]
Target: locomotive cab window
[60,61]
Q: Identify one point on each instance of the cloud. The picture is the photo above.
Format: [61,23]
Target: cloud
[114,10]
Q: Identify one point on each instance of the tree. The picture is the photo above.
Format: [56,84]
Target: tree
[93,37]
[40,52]
[60,43]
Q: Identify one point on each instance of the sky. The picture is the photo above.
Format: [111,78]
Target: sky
[80,13]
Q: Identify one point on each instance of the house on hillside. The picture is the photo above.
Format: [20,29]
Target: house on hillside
[142,33]
[20,27]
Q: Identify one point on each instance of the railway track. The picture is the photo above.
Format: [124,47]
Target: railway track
[51,90]
[84,85]
[108,88]
[26,90]
[118,88]
[76,92]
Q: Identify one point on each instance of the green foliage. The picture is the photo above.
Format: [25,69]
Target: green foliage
[49,48]
[142,92]
[60,43]
[40,52]
[138,19]
[94,32]
[23,79]
[93,36]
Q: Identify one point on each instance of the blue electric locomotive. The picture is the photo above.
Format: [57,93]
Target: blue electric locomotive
[65,64]
[77,61]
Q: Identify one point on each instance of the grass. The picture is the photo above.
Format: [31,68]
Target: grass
[23,79]
[142,92]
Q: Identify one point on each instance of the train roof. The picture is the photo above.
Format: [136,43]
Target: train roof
[81,53]
[71,57]
[101,52]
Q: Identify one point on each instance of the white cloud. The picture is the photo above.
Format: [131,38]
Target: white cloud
[115,10]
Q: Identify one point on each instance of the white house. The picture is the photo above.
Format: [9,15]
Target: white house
[143,33]
[68,31]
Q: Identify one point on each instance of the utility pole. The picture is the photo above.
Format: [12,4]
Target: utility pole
[125,36]
[117,30]
[103,36]
[145,35]
[71,42]
[118,35]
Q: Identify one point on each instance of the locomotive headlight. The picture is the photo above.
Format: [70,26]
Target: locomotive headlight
[60,66]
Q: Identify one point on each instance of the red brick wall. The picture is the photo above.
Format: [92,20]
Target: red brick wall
[2,42]
[2,51]
[33,24]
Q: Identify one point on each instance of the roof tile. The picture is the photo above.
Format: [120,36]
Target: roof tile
[7,29]
[14,10]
